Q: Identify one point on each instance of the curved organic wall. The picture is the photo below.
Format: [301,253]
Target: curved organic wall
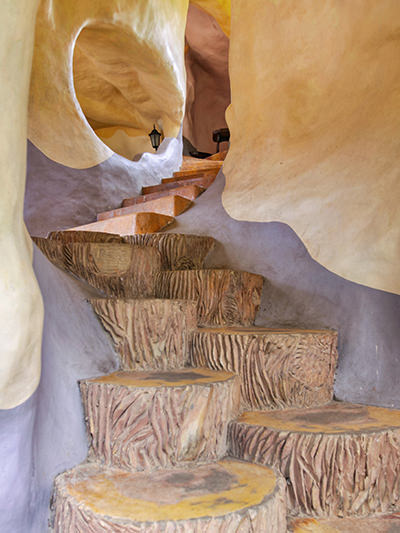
[315,129]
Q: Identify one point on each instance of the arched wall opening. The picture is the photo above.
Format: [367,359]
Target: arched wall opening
[208,85]
[123,88]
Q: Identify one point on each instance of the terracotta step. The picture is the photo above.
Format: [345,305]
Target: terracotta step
[117,269]
[224,297]
[190,192]
[190,174]
[178,251]
[150,420]
[277,368]
[219,156]
[228,496]
[149,334]
[202,181]
[378,524]
[171,206]
[135,223]
[339,460]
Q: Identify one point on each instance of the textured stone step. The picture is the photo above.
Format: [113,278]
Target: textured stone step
[178,251]
[129,224]
[182,176]
[172,205]
[193,163]
[201,181]
[225,497]
[117,269]
[190,192]
[149,334]
[277,368]
[340,459]
[149,420]
[224,297]
[219,156]
[378,524]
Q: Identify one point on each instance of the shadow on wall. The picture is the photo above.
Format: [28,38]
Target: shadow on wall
[301,292]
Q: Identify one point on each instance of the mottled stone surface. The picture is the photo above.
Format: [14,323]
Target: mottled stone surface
[150,420]
[277,368]
[339,460]
[224,497]
[149,333]
[380,524]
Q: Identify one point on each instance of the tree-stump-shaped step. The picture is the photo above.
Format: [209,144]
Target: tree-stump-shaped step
[339,460]
[117,269]
[149,420]
[149,334]
[224,297]
[178,251]
[225,497]
[132,224]
[172,205]
[277,368]
[378,524]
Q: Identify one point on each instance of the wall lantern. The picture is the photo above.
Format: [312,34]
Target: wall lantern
[155,137]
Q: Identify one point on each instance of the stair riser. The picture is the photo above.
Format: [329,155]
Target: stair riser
[149,334]
[158,427]
[169,206]
[276,370]
[189,174]
[190,192]
[223,297]
[202,181]
[136,223]
[328,475]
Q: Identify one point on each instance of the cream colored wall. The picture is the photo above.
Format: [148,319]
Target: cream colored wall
[21,310]
[129,72]
[315,129]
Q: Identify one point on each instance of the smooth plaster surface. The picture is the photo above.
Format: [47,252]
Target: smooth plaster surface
[299,292]
[315,129]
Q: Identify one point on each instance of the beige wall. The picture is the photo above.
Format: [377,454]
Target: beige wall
[315,129]
[21,310]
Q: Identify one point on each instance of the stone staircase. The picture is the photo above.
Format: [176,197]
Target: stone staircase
[212,424]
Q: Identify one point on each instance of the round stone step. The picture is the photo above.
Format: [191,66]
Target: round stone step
[224,497]
[149,420]
[117,269]
[377,524]
[339,460]
[277,368]
[149,334]
[224,297]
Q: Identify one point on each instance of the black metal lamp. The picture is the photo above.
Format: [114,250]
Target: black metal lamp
[155,137]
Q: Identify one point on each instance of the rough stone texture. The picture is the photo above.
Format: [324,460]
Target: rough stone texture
[277,369]
[117,269]
[171,205]
[150,420]
[227,497]
[224,297]
[341,459]
[381,524]
[315,123]
[149,333]
[178,252]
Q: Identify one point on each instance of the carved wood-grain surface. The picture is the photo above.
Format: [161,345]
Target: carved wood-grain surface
[178,251]
[224,297]
[206,499]
[66,236]
[332,469]
[277,369]
[149,426]
[117,269]
[148,333]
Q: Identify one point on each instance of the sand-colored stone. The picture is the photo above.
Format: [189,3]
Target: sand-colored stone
[224,297]
[380,524]
[315,122]
[202,181]
[117,269]
[116,66]
[277,368]
[225,497]
[172,206]
[191,192]
[132,224]
[21,308]
[149,334]
[340,459]
[150,420]
[220,10]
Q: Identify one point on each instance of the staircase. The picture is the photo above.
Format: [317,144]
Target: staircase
[212,424]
